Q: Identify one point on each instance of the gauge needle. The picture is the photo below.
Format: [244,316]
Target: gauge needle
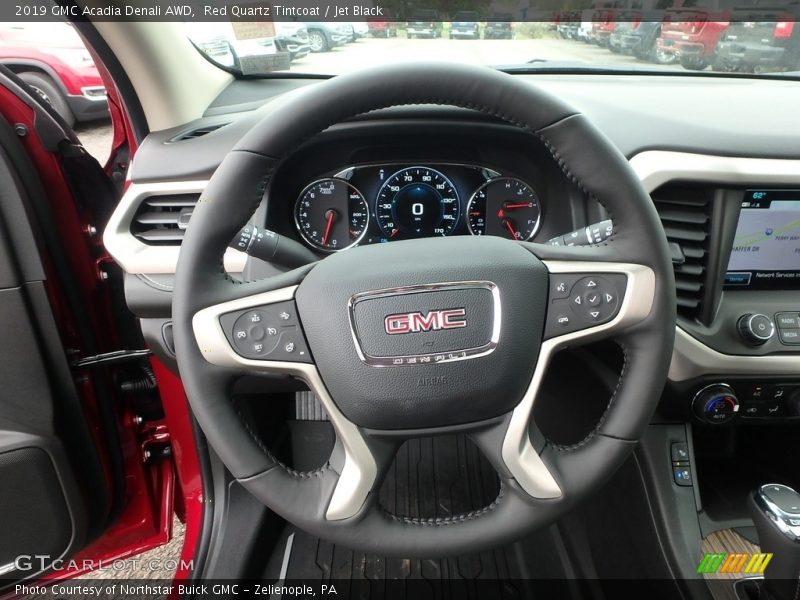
[512,205]
[330,215]
[510,227]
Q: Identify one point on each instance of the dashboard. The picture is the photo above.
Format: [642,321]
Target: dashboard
[352,187]
[422,171]
[379,203]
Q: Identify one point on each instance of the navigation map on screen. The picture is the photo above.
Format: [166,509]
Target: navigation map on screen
[766,248]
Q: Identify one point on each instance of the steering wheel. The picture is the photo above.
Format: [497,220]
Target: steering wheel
[419,337]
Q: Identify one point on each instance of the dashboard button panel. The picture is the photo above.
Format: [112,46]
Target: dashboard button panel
[788,324]
[770,401]
[270,332]
[582,300]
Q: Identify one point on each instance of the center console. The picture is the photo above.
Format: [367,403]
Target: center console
[735,374]
[752,309]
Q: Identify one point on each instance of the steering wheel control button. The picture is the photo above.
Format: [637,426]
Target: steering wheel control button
[592,298]
[715,404]
[561,285]
[582,300]
[269,332]
[755,329]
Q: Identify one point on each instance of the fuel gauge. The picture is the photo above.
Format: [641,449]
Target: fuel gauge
[505,207]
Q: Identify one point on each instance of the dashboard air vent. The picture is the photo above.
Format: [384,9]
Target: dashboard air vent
[191,134]
[162,220]
[685,214]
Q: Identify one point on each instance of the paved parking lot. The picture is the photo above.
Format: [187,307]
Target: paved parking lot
[370,51]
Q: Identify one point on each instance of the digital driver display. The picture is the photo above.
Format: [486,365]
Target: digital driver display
[766,248]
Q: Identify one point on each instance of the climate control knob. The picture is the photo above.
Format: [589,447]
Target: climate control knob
[756,329]
[716,403]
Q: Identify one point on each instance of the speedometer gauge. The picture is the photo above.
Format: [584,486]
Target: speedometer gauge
[505,207]
[417,202]
[331,215]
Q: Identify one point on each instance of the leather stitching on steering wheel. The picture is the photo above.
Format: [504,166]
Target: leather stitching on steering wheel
[277,463]
[453,520]
[593,432]
[566,170]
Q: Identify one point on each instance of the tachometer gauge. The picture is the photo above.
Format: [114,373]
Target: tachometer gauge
[417,202]
[331,215]
[505,207]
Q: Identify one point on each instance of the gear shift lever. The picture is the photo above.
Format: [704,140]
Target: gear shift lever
[775,509]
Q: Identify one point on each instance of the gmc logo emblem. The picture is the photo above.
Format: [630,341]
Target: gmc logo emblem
[414,322]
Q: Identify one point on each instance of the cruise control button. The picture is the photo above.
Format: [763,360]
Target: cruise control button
[256,333]
[292,347]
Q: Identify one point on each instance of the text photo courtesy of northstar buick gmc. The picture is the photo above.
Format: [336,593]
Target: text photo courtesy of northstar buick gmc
[484,301]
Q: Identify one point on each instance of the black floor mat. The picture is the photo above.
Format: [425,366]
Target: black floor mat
[431,477]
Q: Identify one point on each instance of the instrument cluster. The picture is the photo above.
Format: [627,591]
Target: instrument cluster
[372,204]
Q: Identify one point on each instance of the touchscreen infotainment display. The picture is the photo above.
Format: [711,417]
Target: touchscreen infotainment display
[766,248]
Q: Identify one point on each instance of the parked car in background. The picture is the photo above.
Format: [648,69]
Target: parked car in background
[692,33]
[425,23]
[465,25]
[568,23]
[324,36]
[382,29]
[360,29]
[637,31]
[766,38]
[292,38]
[585,26]
[51,59]
[246,46]
[606,20]
[499,27]
[349,32]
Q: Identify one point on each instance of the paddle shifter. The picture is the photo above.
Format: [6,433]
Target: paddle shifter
[775,509]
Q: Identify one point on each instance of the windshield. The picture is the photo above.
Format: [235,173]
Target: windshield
[722,36]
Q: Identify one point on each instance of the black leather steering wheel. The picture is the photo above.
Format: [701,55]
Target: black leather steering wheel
[480,318]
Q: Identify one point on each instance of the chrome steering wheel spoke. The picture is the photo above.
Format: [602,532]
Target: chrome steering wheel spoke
[359,472]
[634,288]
